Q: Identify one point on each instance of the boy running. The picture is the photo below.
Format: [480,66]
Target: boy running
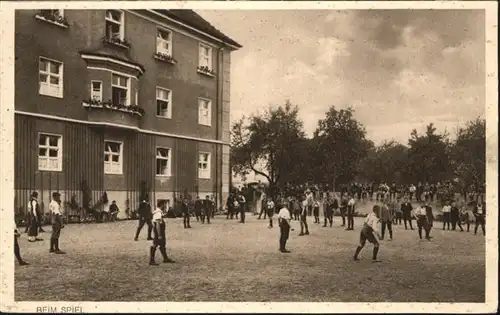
[368,231]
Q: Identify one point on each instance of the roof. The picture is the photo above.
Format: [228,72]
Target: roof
[193,19]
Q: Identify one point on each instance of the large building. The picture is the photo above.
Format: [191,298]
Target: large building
[118,103]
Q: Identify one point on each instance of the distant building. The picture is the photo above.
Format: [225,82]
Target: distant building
[120,101]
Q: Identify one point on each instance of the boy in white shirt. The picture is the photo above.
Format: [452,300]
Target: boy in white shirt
[57,224]
[284,218]
[446,215]
[368,232]
[159,240]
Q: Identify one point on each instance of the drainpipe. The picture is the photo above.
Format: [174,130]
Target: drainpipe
[220,77]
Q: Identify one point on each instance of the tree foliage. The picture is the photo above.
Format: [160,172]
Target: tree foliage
[273,145]
[469,153]
[266,144]
[340,146]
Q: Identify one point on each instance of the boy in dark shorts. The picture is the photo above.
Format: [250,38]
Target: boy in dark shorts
[159,240]
[368,231]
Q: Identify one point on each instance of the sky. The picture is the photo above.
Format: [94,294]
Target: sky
[399,69]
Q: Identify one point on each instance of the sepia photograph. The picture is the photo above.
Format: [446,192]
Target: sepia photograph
[312,154]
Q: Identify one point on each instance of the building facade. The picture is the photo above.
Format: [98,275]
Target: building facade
[119,103]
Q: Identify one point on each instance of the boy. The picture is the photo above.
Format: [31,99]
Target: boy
[386,219]
[17,251]
[350,213]
[270,211]
[464,216]
[422,221]
[479,213]
[284,219]
[368,231]
[446,215]
[144,212]
[328,211]
[57,224]
[159,235]
[303,218]
[316,211]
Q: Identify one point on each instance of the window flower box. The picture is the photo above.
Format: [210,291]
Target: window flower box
[132,109]
[52,18]
[116,41]
[165,57]
[206,71]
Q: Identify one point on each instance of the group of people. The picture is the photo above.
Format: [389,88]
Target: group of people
[35,222]
[386,213]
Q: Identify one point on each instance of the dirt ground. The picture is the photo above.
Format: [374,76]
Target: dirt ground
[228,261]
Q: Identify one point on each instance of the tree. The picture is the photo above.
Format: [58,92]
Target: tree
[429,156]
[469,153]
[266,144]
[387,163]
[340,146]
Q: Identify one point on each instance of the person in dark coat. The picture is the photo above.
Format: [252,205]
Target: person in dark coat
[386,216]
[207,210]
[33,218]
[343,209]
[17,250]
[186,216]
[406,209]
[455,217]
[480,214]
[430,219]
[198,205]
[145,217]
[328,211]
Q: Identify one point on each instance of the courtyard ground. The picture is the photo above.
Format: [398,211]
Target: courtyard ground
[228,261]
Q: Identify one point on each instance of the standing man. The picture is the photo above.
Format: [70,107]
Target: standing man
[207,209]
[328,211]
[230,206]
[316,211]
[284,219]
[480,214]
[398,213]
[446,215]
[186,216]
[17,251]
[455,217]
[303,218]
[145,215]
[243,207]
[263,208]
[422,221]
[159,235]
[343,209]
[198,205]
[350,214]
[270,210]
[430,218]
[33,218]
[406,209]
[386,217]
[368,231]
[57,224]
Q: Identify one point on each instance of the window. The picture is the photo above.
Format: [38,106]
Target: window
[50,77]
[120,90]
[205,56]
[49,152]
[114,25]
[204,165]
[163,103]
[204,112]
[96,90]
[164,42]
[112,157]
[162,162]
